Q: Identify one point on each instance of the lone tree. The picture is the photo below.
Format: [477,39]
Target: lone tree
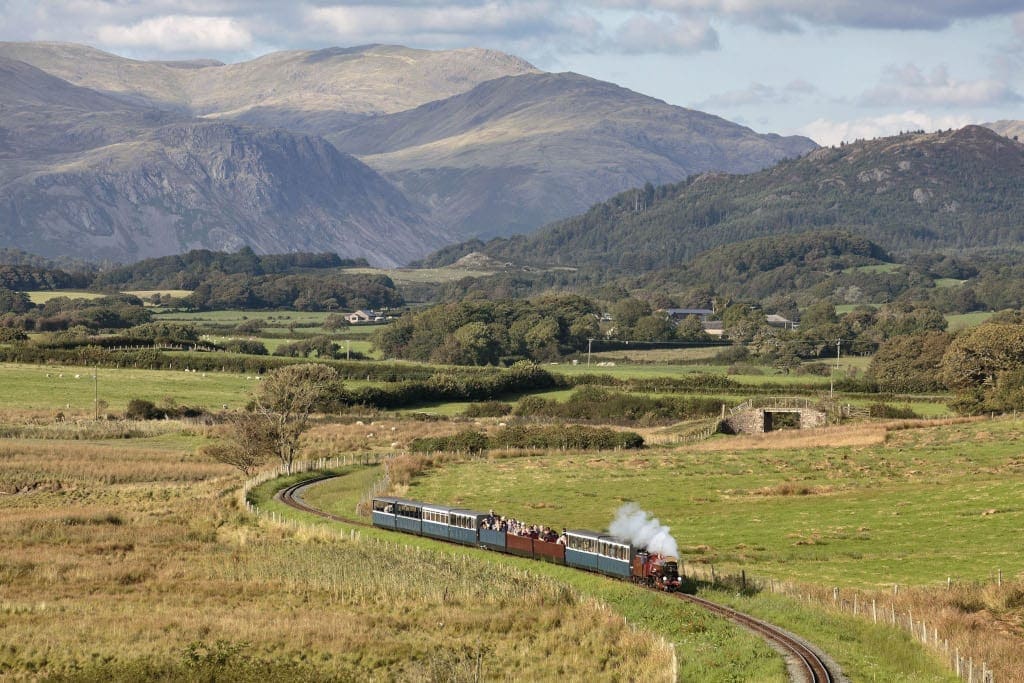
[284,401]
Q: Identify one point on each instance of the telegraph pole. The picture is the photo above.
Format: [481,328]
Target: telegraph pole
[590,343]
[96,392]
[832,375]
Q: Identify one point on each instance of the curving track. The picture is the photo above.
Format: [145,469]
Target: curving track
[810,667]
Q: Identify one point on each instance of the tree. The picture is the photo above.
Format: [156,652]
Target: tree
[284,401]
[653,328]
[248,444]
[626,312]
[690,328]
[910,364]
[978,356]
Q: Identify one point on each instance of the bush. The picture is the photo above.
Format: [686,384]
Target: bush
[10,334]
[247,346]
[519,436]
[885,410]
[600,405]
[488,409]
[141,409]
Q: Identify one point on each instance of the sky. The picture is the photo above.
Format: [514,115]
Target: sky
[833,70]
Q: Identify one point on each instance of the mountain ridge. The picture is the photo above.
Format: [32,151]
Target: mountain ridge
[484,158]
[949,190]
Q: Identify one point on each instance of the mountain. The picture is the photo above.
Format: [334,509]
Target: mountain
[1011,129]
[953,190]
[484,142]
[95,176]
[517,152]
[311,91]
[43,117]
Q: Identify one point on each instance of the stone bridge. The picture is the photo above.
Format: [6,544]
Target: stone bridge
[759,415]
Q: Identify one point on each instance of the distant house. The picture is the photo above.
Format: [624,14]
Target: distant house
[680,313]
[363,316]
[713,328]
[778,321]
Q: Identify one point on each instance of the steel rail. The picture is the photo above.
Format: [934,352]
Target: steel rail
[812,668]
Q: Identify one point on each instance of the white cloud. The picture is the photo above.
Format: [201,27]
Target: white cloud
[369,22]
[641,34]
[759,94]
[790,15]
[178,34]
[826,132]
[909,85]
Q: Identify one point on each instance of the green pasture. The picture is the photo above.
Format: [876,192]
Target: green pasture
[708,649]
[422,276]
[962,321]
[923,505]
[41,297]
[148,293]
[65,387]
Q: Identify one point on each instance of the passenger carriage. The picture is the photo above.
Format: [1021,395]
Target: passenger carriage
[598,552]
[425,519]
[398,514]
[588,550]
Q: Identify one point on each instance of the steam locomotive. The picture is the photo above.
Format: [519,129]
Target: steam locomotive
[589,550]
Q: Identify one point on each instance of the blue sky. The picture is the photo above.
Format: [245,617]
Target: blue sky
[831,69]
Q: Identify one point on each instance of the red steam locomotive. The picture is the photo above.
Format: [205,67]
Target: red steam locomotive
[656,571]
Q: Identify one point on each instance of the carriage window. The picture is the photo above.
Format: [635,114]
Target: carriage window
[408,511]
[435,516]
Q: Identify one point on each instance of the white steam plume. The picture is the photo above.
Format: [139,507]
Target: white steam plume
[643,531]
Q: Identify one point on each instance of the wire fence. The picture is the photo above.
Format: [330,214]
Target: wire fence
[891,612]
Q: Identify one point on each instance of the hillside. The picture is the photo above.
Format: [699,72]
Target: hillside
[43,119]
[1011,129]
[953,190]
[517,152]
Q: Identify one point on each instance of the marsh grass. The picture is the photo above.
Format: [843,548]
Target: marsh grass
[129,560]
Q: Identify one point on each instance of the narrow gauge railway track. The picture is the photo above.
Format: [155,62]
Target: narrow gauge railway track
[810,666]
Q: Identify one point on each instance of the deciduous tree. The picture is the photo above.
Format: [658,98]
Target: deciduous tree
[285,400]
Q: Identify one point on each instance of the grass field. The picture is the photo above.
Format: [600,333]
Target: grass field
[71,390]
[41,297]
[419,276]
[148,293]
[963,321]
[843,507]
